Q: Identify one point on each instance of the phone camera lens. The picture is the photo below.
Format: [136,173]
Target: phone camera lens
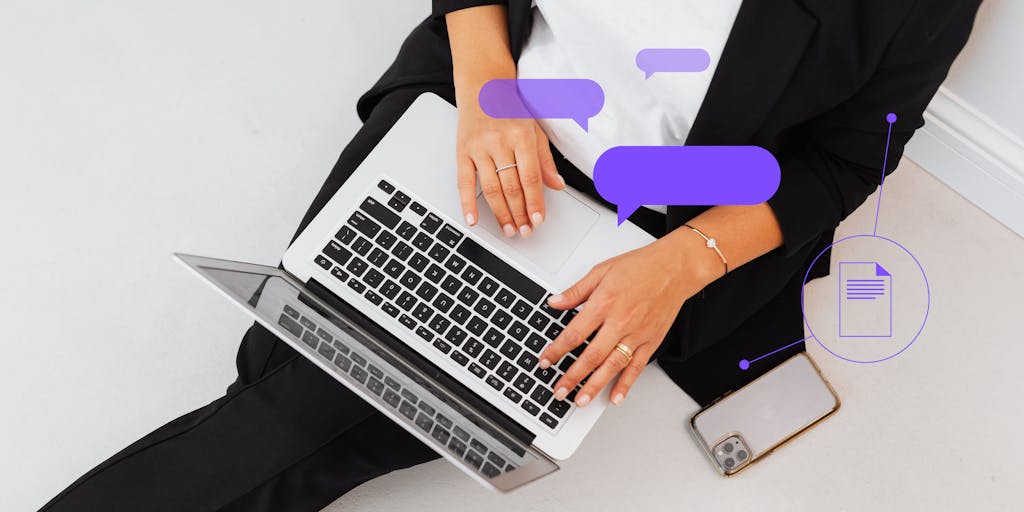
[727,448]
[741,455]
[729,463]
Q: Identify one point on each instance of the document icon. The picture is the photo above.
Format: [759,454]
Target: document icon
[865,300]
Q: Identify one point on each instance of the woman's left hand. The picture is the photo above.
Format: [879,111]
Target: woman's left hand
[631,299]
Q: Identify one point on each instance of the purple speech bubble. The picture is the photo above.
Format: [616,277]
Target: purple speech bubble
[632,176]
[660,60]
[578,99]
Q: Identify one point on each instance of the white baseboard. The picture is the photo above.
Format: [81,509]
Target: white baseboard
[974,156]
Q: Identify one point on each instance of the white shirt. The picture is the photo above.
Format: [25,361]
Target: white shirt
[599,40]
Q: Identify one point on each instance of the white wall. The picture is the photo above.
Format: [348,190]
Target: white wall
[974,128]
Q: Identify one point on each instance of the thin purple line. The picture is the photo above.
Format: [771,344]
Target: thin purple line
[885,162]
[865,280]
[861,298]
[778,350]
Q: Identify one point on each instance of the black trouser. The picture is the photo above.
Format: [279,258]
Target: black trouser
[286,436]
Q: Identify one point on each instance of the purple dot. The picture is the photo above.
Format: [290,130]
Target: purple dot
[744,364]
[890,117]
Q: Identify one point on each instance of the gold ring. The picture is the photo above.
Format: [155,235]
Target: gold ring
[626,351]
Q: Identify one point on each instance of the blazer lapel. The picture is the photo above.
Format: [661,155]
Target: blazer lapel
[763,50]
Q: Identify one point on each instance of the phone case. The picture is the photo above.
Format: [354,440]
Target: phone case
[769,447]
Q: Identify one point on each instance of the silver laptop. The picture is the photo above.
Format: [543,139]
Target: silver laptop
[437,324]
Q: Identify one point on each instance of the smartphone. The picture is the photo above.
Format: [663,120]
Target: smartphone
[747,425]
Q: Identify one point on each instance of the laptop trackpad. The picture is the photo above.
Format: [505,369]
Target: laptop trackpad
[566,224]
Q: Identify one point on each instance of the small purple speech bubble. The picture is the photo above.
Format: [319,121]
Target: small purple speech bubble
[660,60]
[632,176]
[578,99]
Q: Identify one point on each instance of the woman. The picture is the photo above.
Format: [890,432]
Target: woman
[810,81]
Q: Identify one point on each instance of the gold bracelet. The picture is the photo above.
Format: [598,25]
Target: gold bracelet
[712,244]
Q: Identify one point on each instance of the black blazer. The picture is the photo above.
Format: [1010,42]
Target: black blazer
[809,80]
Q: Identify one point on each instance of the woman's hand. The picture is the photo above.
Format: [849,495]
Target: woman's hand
[516,194]
[631,299]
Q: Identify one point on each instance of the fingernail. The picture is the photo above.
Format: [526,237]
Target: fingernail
[561,393]
[582,400]
[617,399]
[470,219]
[509,230]
[537,219]
[562,181]
[544,364]
[524,230]
[555,298]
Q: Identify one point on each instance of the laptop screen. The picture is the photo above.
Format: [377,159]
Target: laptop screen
[405,390]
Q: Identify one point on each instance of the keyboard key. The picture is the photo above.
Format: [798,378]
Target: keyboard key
[578,350]
[399,201]
[496,459]
[339,274]
[493,337]
[363,224]
[455,264]
[418,262]
[468,296]
[373,298]
[290,325]
[501,319]
[559,407]
[417,208]
[422,332]
[550,311]
[422,241]
[394,268]
[488,286]
[336,252]
[527,361]
[472,274]
[484,308]
[373,278]
[358,286]
[439,324]
[424,422]
[477,370]
[460,358]
[407,321]
[323,262]
[326,336]
[385,239]
[342,362]
[530,407]
[513,395]
[402,251]
[521,309]
[501,271]
[407,410]
[474,459]
[290,311]
[535,342]
[489,470]
[430,223]
[440,434]
[346,235]
[510,349]
[518,330]
[390,289]
[490,359]
[568,316]
[359,374]
[426,291]
[460,314]
[546,375]
[377,257]
[567,361]
[341,347]
[439,252]
[375,385]
[390,309]
[476,325]
[358,359]
[310,339]
[380,212]
[385,186]
[548,420]
[507,371]
[392,398]
[449,236]
[444,421]
[406,301]
[505,297]
[362,246]
[391,383]
[406,230]
[443,302]
[451,285]
[410,396]
[541,395]
[524,383]
[539,320]
[495,382]
[457,447]
[553,331]
[442,345]
[473,347]
[423,312]
[434,273]
[455,335]
[409,280]
[357,266]
[307,323]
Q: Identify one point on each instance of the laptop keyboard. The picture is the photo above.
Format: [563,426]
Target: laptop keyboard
[455,295]
[390,391]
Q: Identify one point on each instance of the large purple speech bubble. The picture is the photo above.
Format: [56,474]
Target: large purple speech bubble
[632,176]
[578,99]
[676,60]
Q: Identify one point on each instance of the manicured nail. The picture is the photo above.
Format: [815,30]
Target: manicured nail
[582,400]
[617,399]
[525,230]
[555,298]
[509,230]
[544,364]
[470,219]
[562,181]
[561,393]
[537,219]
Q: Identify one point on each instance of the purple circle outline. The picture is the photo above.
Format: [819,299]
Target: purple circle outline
[928,304]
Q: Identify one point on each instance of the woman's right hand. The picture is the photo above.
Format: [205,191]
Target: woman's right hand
[515,195]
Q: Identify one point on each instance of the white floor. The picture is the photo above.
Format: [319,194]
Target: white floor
[129,131]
